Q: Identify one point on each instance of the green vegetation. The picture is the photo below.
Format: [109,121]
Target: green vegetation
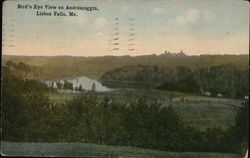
[200,112]
[29,116]
[86,150]
[94,67]
[67,85]
[226,80]
[60,98]
[162,119]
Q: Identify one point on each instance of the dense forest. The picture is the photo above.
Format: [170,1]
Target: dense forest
[28,115]
[227,80]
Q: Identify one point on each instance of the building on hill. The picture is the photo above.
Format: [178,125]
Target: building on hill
[168,53]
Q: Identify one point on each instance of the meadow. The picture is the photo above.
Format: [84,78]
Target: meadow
[199,111]
[89,150]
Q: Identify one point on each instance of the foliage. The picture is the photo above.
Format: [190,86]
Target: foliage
[23,107]
[240,131]
[229,80]
[47,68]
[67,85]
[29,116]
[20,66]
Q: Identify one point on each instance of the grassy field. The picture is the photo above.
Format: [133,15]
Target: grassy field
[88,150]
[60,98]
[204,115]
[202,112]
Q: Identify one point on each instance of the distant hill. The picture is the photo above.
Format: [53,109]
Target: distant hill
[65,66]
[222,80]
[140,76]
[19,70]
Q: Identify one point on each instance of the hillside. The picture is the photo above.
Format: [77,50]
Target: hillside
[85,149]
[153,117]
[226,80]
[95,67]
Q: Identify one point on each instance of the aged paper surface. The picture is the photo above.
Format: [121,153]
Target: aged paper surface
[132,78]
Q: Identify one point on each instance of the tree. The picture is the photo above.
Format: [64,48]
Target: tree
[59,85]
[67,85]
[79,117]
[24,109]
[22,66]
[10,63]
[93,87]
[80,88]
[240,131]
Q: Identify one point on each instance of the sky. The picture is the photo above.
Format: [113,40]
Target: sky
[128,27]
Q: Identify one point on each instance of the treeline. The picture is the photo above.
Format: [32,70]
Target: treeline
[49,68]
[227,80]
[20,66]
[29,116]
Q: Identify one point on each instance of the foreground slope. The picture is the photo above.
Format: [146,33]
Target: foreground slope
[80,149]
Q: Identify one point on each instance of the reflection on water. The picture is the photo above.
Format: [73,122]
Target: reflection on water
[84,82]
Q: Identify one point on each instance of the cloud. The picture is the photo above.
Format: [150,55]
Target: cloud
[80,19]
[208,16]
[100,33]
[125,8]
[100,22]
[190,16]
[180,20]
[158,11]
[193,15]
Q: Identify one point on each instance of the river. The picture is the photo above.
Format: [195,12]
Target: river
[84,82]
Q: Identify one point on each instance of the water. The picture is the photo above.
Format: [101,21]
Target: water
[84,82]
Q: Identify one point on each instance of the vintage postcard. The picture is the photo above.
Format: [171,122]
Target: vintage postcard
[125,78]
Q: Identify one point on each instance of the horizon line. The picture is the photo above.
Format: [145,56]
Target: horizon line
[162,54]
